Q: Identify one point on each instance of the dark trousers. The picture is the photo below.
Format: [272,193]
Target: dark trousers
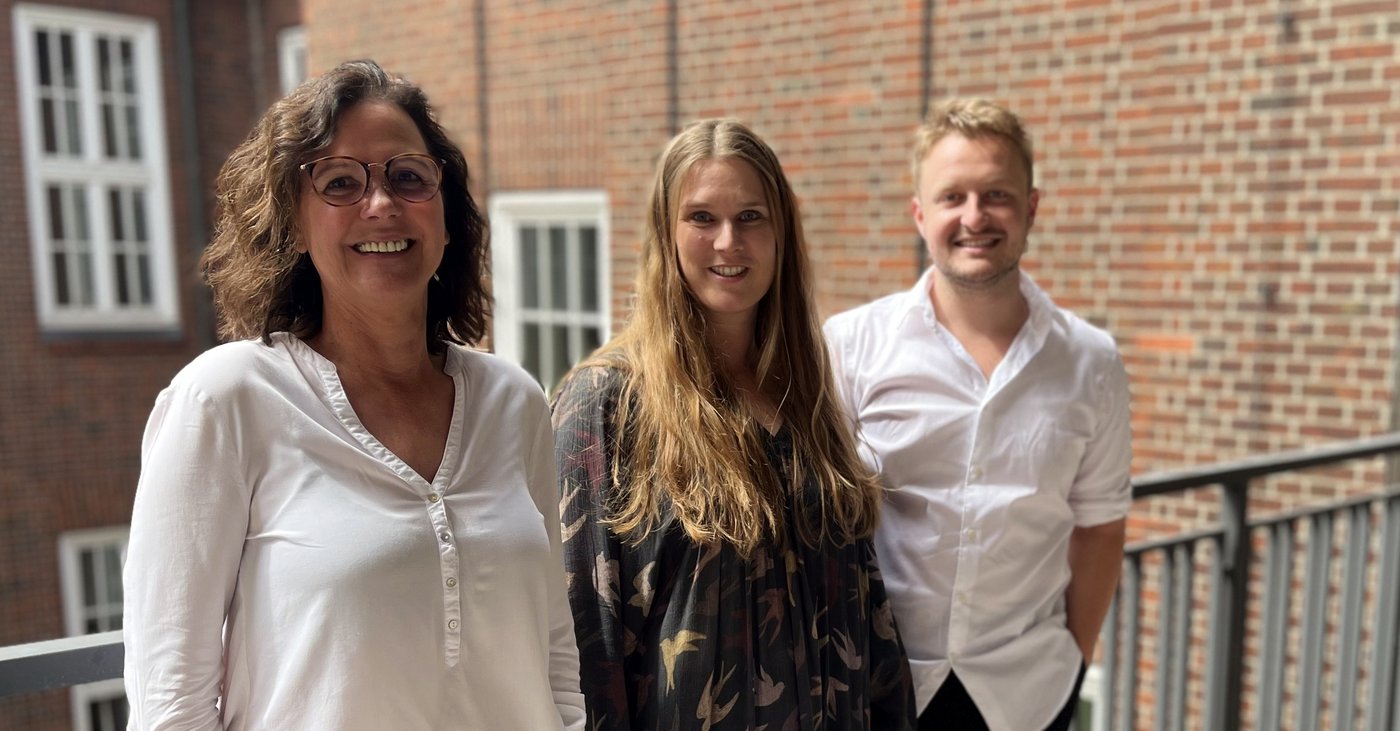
[952,709]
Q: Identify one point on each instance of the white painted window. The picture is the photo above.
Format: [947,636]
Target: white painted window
[550,278]
[95,168]
[90,570]
[291,57]
[1092,714]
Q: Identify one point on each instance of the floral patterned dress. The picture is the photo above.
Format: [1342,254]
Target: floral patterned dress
[675,635]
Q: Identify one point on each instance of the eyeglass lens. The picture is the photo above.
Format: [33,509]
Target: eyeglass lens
[342,181]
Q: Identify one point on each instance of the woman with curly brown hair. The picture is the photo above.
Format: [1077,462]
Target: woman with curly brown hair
[717,519]
[345,519]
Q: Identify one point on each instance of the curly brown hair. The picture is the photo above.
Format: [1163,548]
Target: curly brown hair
[261,284]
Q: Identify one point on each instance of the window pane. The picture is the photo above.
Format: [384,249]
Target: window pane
[70,121]
[86,292]
[67,65]
[529,268]
[558,269]
[104,64]
[128,68]
[561,356]
[121,711]
[592,338]
[60,278]
[114,213]
[119,271]
[531,343]
[113,574]
[80,213]
[133,133]
[143,279]
[41,52]
[56,228]
[50,125]
[109,129]
[89,578]
[138,214]
[588,267]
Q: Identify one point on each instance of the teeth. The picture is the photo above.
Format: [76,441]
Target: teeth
[381,247]
[728,271]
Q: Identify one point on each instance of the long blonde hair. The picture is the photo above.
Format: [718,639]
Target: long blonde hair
[691,450]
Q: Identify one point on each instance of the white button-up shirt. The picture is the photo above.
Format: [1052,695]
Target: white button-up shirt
[985,480]
[287,571]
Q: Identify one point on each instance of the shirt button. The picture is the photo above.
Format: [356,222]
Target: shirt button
[445,536]
[976,473]
[451,582]
[962,597]
[953,656]
[434,497]
[971,534]
[452,624]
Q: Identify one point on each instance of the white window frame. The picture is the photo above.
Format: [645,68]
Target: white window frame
[1092,693]
[83,696]
[511,210]
[292,67]
[94,173]
[71,545]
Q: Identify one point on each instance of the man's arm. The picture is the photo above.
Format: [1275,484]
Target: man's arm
[1095,560]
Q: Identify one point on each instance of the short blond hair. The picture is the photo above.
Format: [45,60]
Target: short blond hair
[972,118]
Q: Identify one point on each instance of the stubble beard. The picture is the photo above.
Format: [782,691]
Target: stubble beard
[982,283]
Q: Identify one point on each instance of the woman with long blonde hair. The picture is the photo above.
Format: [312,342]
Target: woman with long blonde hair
[717,519]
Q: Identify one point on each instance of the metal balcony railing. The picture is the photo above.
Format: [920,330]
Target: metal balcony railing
[1335,612]
[1186,662]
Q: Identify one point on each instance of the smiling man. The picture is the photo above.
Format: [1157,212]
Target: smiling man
[999,425]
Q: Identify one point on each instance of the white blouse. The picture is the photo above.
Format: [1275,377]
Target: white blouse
[286,570]
[986,479]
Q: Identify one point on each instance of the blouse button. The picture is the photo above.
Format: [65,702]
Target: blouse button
[452,624]
[445,536]
[451,582]
[434,497]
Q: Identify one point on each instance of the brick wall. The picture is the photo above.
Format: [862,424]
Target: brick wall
[1219,184]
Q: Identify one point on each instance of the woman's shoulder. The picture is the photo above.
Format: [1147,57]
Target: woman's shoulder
[233,367]
[488,367]
[496,385]
[595,382]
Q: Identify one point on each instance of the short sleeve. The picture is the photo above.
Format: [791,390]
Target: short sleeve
[1102,490]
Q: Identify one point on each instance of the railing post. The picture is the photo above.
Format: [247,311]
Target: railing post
[1225,688]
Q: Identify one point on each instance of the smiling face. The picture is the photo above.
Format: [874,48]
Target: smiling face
[725,241]
[974,209]
[381,251]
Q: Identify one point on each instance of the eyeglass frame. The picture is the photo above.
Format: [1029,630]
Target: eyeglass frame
[369,176]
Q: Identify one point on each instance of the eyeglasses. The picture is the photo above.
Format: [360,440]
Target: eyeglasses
[344,181]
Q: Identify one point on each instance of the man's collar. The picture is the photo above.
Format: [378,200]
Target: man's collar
[919,302]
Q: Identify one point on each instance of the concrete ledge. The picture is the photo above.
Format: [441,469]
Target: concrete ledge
[60,663]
